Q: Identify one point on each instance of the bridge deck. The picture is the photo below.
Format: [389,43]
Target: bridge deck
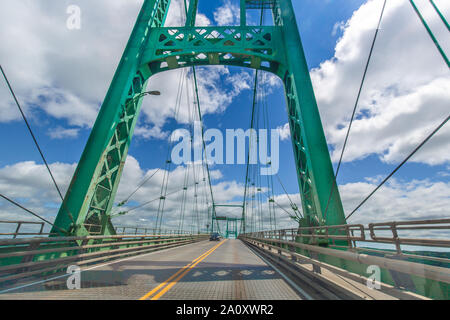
[205,270]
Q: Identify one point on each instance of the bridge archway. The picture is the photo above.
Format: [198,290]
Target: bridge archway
[152,49]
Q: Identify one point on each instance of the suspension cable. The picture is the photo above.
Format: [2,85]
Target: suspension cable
[31,212]
[280,206]
[195,202]
[400,165]
[203,133]
[258,180]
[369,58]
[186,173]
[293,205]
[440,14]
[183,199]
[140,186]
[265,107]
[250,139]
[197,112]
[252,124]
[430,33]
[150,201]
[165,183]
[200,117]
[31,133]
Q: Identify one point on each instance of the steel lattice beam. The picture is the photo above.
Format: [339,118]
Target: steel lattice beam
[260,4]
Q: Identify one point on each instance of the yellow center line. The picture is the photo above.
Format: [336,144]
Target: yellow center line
[173,276]
[171,284]
[185,268]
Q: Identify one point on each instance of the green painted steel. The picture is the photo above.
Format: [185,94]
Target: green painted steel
[232,227]
[430,33]
[192,12]
[231,222]
[314,168]
[440,15]
[153,49]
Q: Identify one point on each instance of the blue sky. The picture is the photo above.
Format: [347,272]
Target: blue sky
[327,29]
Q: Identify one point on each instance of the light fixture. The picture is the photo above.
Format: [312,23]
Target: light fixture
[153,93]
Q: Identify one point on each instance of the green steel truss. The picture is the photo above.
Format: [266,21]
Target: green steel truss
[152,49]
[252,47]
[232,227]
[231,222]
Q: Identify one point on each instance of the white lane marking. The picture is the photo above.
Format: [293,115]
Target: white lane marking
[292,283]
[88,269]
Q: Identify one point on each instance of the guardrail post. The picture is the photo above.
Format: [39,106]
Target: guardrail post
[17,229]
[396,238]
[42,228]
[352,242]
[29,257]
[291,250]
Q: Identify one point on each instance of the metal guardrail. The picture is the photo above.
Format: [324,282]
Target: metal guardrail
[425,271]
[19,224]
[358,234]
[322,281]
[350,243]
[92,229]
[395,227]
[27,257]
[145,230]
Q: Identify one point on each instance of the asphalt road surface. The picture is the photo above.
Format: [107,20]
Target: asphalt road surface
[206,270]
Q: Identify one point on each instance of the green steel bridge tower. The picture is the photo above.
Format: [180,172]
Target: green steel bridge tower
[153,48]
[230,223]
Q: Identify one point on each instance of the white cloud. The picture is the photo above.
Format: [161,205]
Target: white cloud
[66,73]
[147,132]
[338,26]
[241,81]
[28,183]
[405,95]
[284,131]
[177,15]
[63,104]
[228,14]
[214,98]
[396,201]
[62,133]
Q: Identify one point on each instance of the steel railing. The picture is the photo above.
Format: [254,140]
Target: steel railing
[353,238]
[17,225]
[27,257]
[145,230]
[359,237]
